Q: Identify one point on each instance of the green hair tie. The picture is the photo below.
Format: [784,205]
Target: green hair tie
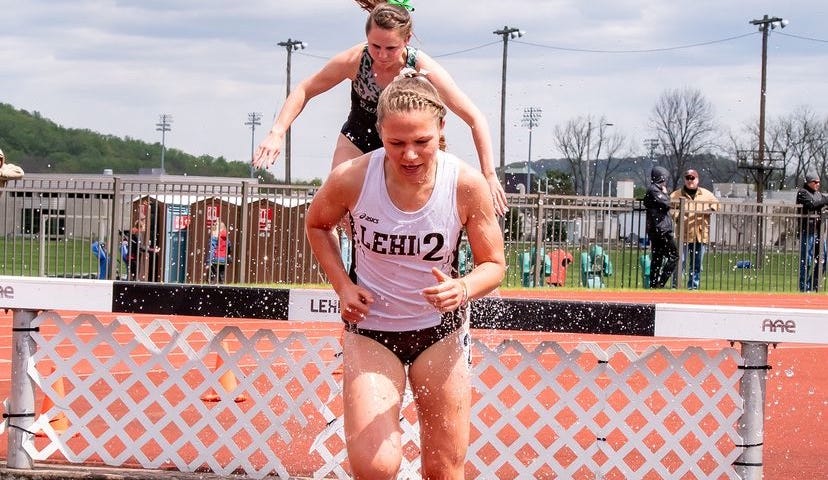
[402,3]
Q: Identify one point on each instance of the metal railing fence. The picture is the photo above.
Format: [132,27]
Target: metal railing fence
[601,242]
[146,230]
[150,230]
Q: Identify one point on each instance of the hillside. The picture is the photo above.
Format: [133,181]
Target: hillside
[39,145]
[714,168]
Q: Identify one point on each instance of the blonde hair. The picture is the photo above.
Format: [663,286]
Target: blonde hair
[409,92]
[387,17]
[217,227]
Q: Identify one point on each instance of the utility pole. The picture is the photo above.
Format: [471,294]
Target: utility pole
[290,45]
[531,119]
[253,119]
[507,33]
[163,126]
[765,23]
[748,465]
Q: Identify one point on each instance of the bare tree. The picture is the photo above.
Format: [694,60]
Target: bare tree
[571,142]
[587,139]
[821,149]
[802,137]
[683,122]
[608,145]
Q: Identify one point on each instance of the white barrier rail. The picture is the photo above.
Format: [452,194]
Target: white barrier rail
[542,412]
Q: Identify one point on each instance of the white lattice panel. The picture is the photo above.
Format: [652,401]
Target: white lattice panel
[608,414]
[133,395]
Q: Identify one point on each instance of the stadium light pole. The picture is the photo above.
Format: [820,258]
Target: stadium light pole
[253,119]
[290,46]
[507,33]
[531,119]
[765,24]
[163,126]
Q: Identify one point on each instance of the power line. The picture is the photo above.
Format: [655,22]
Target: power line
[643,50]
[318,57]
[598,50]
[800,37]
[467,49]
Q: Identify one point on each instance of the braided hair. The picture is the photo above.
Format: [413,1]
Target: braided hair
[411,91]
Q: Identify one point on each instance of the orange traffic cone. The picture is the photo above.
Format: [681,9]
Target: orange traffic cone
[60,423]
[227,379]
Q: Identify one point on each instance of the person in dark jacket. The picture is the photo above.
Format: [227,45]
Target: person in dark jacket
[660,229]
[810,226]
[137,247]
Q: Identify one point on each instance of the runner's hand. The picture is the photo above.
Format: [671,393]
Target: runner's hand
[268,151]
[498,195]
[354,303]
[447,295]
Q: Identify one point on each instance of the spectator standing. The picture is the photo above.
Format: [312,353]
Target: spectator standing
[137,245]
[811,242]
[660,229]
[697,204]
[8,171]
[217,258]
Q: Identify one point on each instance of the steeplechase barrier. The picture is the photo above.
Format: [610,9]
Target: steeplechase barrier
[131,390]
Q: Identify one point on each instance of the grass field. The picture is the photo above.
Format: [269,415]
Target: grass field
[70,257]
[722,271]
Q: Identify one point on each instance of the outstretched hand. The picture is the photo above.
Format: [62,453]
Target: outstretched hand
[268,151]
[449,293]
[498,195]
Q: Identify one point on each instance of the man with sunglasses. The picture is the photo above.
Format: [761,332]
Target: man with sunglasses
[695,204]
[810,226]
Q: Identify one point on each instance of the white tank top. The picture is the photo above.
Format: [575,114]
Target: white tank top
[394,251]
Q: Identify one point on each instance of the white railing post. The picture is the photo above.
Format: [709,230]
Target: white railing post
[22,396]
[751,425]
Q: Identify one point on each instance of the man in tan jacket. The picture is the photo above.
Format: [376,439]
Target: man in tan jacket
[695,204]
[8,171]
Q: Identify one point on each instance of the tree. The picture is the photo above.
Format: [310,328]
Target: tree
[571,142]
[587,139]
[559,183]
[39,145]
[683,122]
[802,136]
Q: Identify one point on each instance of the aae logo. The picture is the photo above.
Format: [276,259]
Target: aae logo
[7,292]
[778,326]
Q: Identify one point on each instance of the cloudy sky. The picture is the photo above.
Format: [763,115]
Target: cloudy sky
[114,66]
